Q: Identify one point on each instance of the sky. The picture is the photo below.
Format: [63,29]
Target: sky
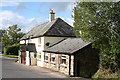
[30,14]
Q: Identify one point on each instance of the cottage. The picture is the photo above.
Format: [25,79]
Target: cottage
[42,37]
[54,45]
[73,57]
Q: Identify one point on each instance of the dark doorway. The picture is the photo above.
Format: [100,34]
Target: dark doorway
[23,55]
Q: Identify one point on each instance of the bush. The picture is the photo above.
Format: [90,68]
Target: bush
[12,49]
[105,73]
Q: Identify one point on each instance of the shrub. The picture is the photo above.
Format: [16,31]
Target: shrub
[12,49]
[105,73]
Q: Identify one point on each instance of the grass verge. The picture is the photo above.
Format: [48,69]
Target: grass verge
[10,56]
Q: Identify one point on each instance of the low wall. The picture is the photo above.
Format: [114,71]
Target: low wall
[57,66]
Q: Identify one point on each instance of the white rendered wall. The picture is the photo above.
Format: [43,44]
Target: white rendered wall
[44,40]
[22,42]
[27,58]
[41,47]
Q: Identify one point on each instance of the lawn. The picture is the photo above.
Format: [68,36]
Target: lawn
[10,56]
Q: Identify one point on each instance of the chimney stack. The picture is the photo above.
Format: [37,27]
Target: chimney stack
[51,15]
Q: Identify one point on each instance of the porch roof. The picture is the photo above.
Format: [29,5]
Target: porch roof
[68,46]
[31,47]
[22,47]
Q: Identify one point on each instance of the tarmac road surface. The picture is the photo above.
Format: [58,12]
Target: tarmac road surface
[10,69]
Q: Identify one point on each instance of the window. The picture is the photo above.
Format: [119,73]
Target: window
[53,58]
[30,38]
[46,56]
[39,42]
[39,55]
[47,44]
[32,55]
[63,59]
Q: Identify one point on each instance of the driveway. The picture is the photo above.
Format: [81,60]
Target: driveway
[10,69]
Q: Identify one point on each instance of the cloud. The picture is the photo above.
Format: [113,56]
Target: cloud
[6,4]
[21,7]
[9,18]
[61,6]
[43,4]
[68,20]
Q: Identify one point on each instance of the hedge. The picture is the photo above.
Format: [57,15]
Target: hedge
[12,49]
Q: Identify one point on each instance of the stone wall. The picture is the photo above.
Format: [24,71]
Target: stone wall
[57,66]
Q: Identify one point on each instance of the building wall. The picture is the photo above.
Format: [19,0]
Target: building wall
[57,66]
[22,42]
[86,62]
[40,44]
[44,40]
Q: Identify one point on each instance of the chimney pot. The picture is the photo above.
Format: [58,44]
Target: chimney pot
[51,16]
[51,11]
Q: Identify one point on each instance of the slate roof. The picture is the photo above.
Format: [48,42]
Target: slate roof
[31,47]
[22,47]
[68,46]
[56,27]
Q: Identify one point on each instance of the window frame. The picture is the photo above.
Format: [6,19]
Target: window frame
[52,56]
[46,55]
[63,57]
[39,56]
[39,42]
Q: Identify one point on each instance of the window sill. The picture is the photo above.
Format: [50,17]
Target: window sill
[39,59]
[52,62]
[39,45]
[46,61]
[63,65]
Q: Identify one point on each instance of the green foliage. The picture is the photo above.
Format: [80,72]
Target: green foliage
[5,51]
[2,32]
[105,73]
[12,49]
[12,36]
[5,40]
[99,22]
[10,40]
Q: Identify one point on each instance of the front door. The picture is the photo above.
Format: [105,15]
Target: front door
[23,55]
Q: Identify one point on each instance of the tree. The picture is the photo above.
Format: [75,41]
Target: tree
[99,23]
[2,32]
[5,40]
[11,36]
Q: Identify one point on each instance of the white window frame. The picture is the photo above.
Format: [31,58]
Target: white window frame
[52,56]
[39,42]
[46,55]
[63,57]
[39,56]
[32,55]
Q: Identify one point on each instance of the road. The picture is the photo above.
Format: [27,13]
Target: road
[10,69]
